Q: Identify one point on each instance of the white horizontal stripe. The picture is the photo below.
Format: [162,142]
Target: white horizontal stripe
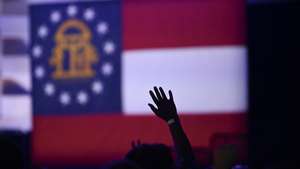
[15,113]
[15,27]
[17,69]
[203,79]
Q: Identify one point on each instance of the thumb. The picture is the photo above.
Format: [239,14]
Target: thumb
[155,110]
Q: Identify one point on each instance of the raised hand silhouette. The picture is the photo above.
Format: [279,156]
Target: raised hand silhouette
[165,108]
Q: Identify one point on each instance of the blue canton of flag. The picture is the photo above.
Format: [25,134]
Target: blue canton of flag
[75,55]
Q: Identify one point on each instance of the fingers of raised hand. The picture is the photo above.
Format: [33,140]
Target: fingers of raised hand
[170,95]
[158,95]
[162,93]
[155,110]
[154,98]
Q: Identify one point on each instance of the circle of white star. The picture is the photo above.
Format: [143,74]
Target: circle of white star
[65,98]
[89,14]
[39,72]
[72,10]
[36,51]
[55,17]
[82,97]
[109,47]
[43,31]
[107,69]
[97,87]
[49,89]
[102,28]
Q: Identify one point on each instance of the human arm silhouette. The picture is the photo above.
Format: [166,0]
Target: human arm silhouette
[166,110]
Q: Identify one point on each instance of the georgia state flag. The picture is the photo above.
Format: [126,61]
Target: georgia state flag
[93,63]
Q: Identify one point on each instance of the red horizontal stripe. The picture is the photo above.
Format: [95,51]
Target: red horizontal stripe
[94,139]
[173,23]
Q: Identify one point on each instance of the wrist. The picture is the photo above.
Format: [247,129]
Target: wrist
[172,121]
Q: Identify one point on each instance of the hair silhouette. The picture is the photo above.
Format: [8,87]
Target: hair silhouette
[151,156]
[122,164]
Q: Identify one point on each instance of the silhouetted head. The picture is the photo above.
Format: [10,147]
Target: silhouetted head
[151,156]
[10,155]
[122,164]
